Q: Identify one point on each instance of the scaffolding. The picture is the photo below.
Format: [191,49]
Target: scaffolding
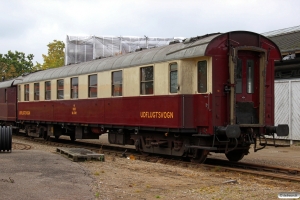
[85,48]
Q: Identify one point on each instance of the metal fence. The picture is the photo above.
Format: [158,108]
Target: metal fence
[81,49]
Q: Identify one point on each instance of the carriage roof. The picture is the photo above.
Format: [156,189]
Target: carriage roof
[187,49]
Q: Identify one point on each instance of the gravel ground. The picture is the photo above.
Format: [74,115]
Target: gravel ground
[121,178]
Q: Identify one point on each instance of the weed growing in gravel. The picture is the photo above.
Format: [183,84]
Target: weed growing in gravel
[97,194]
[158,197]
[96,173]
[216,169]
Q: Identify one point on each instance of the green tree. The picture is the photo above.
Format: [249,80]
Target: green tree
[14,64]
[56,55]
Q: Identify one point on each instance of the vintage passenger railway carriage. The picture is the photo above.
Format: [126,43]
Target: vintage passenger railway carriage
[209,93]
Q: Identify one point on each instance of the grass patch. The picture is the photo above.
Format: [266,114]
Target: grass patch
[97,194]
[216,169]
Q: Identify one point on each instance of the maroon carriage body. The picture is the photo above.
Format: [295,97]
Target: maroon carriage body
[197,112]
[233,108]
[8,104]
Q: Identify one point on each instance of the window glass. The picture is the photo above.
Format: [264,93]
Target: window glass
[173,78]
[239,77]
[202,76]
[74,88]
[146,80]
[47,90]
[250,76]
[26,92]
[117,83]
[36,91]
[93,85]
[60,89]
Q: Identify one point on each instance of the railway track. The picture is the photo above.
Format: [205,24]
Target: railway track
[290,174]
[20,146]
[274,172]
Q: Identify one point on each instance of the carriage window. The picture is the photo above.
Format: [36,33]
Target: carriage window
[202,76]
[47,90]
[239,76]
[93,85]
[117,83]
[36,91]
[74,88]
[26,92]
[146,80]
[250,76]
[173,78]
[60,89]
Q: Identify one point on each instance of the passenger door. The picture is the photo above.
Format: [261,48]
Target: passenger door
[247,87]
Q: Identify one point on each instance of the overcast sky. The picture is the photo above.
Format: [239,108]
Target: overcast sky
[29,25]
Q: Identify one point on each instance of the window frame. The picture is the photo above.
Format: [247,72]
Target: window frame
[115,83]
[26,92]
[199,79]
[170,80]
[144,92]
[36,91]
[59,90]
[47,91]
[74,88]
[90,87]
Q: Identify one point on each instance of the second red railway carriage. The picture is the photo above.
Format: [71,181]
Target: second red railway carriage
[209,93]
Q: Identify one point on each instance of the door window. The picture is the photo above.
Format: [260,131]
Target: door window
[250,76]
[239,77]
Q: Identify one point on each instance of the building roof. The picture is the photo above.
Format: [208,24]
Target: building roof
[288,39]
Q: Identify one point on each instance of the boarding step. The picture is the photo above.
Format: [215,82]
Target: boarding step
[80,154]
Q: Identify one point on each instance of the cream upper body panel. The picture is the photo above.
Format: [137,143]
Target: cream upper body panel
[42,91]
[131,76]
[82,87]
[104,81]
[188,75]
[161,79]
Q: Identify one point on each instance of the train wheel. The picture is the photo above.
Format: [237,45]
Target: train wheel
[45,136]
[144,153]
[72,137]
[57,137]
[235,155]
[199,156]
[139,147]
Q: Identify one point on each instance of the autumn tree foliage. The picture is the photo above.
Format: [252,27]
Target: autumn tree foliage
[14,64]
[56,55]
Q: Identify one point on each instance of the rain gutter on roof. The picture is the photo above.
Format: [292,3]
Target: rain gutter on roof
[187,48]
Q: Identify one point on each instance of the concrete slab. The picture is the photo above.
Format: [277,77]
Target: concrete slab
[36,174]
